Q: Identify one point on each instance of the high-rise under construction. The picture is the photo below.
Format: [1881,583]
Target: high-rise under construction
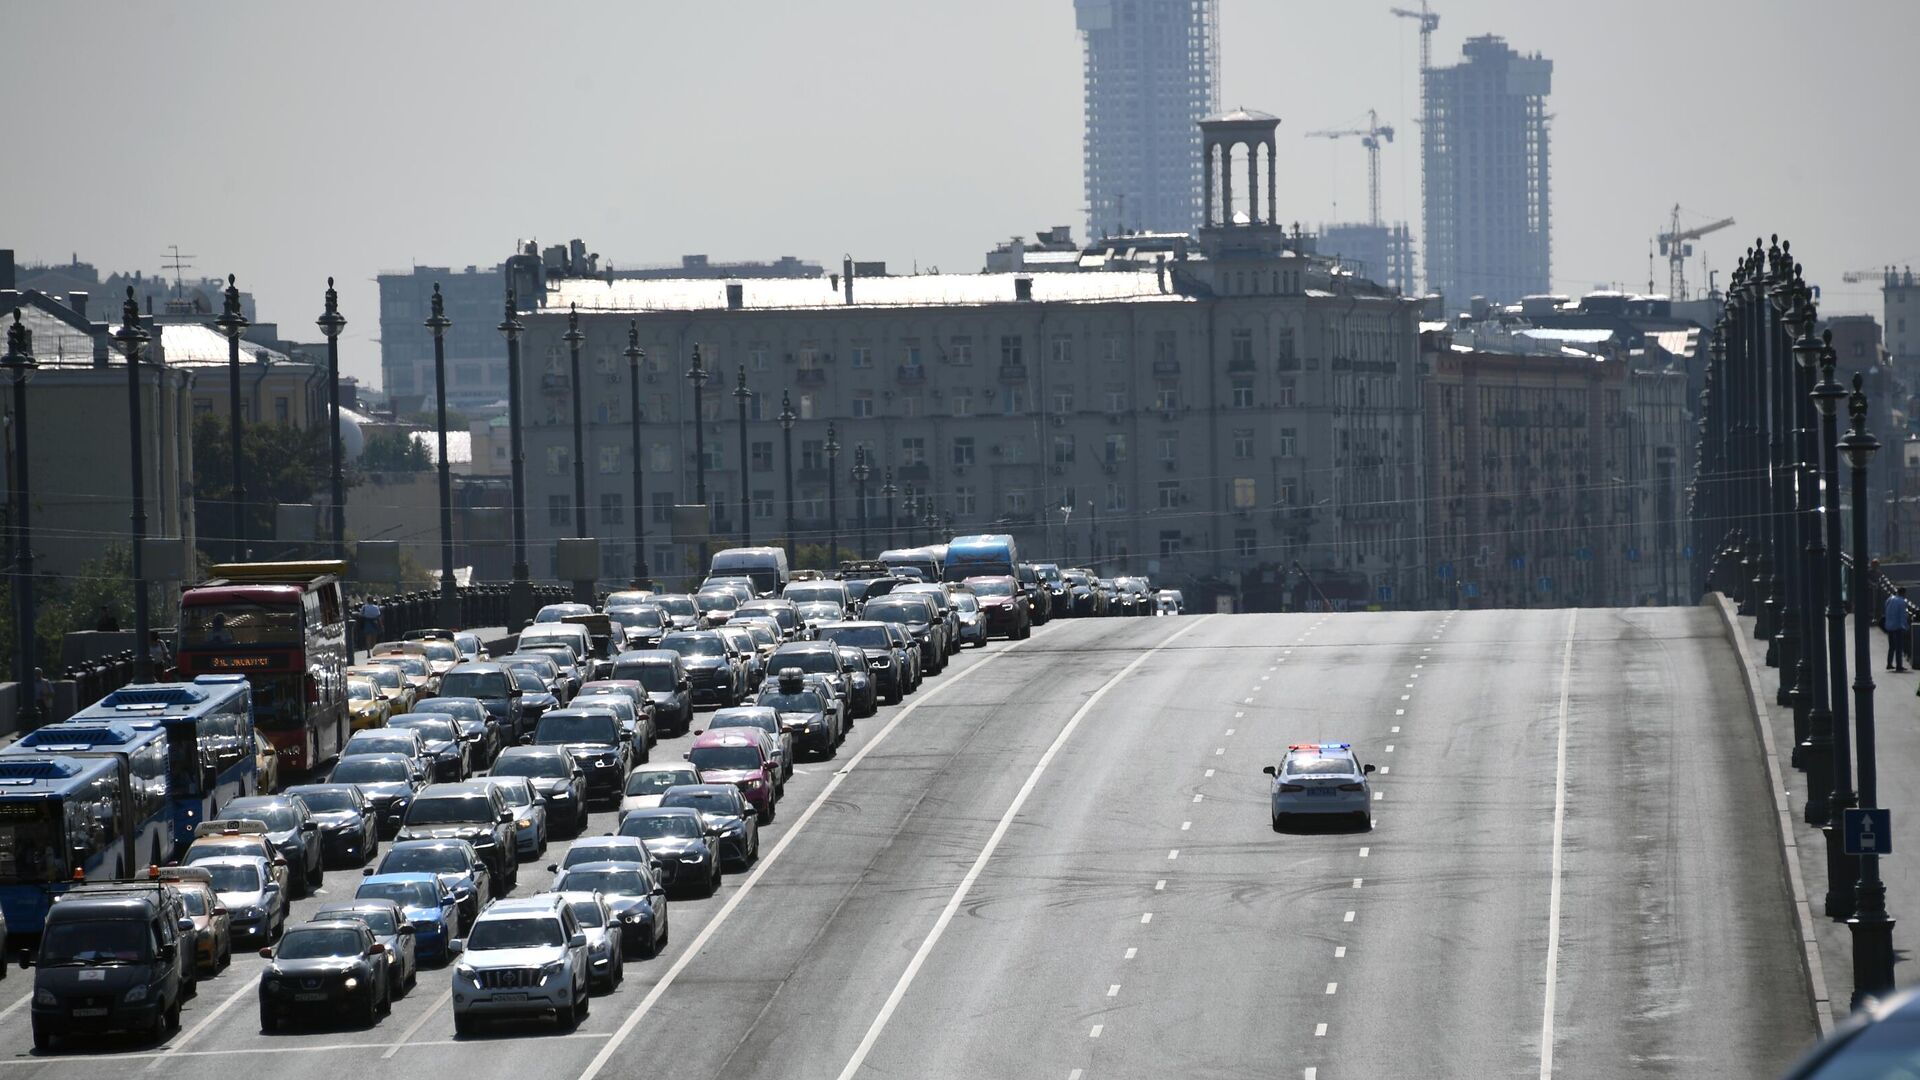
[1152,74]
[1484,159]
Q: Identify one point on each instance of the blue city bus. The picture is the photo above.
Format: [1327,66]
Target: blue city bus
[985,555]
[210,739]
[146,812]
[62,818]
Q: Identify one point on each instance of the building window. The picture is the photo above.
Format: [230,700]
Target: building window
[1063,449]
[1284,445]
[662,513]
[964,500]
[1166,347]
[1015,403]
[1114,352]
[861,356]
[1116,497]
[1283,347]
[909,405]
[613,559]
[282,410]
[1244,541]
[1062,347]
[557,463]
[203,406]
[559,510]
[716,456]
[1166,397]
[662,558]
[659,458]
[1116,449]
[1012,350]
[761,454]
[1116,402]
[710,407]
[813,504]
[1063,402]
[757,357]
[813,454]
[1240,351]
[1168,494]
[1283,394]
[1242,443]
[609,459]
[1169,543]
[910,354]
[963,403]
[960,352]
[1018,502]
[963,450]
[1243,393]
[762,505]
[1289,492]
[862,404]
[913,450]
[806,406]
[807,355]
[1245,493]
[1169,447]
[612,512]
[754,407]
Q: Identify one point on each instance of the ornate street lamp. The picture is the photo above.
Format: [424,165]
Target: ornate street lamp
[833,500]
[861,471]
[889,491]
[19,365]
[1810,669]
[786,438]
[449,594]
[1872,929]
[741,395]
[520,592]
[1827,397]
[331,322]
[697,375]
[635,357]
[132,339]
[582,590]
[232,323]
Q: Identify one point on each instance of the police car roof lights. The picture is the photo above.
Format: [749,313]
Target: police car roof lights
[1315,748]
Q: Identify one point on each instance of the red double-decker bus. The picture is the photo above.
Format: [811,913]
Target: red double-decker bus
[284,626]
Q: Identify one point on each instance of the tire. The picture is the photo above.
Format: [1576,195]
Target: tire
[269,1021]
[713,882]
[768,818]
[1366,822]
[1278,825]
[225,960]
[168,1020]
[619,968]
[413,979]
[370,1016]
[464,1026]
[43,1039]
[316,876]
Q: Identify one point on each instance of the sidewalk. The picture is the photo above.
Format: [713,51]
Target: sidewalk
[1897,742]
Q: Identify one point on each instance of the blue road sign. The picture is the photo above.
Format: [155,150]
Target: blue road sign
[1386,592]
[1546,584]
[1867,832]
[1446,571]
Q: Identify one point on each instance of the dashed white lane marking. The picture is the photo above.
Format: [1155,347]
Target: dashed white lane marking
[1131,953]
[1399,712]
[1406,697]
[1357,881]
[1389,748]
[1349,917]
[1097,1029]
[1396,731]
[1238,713]
[1185,825]
[1363,851]
[1074,1075]
[1559,852]
[1333,988]
[414,1028]
[1264,678]
[1172,854]
[1197,797]
[1229,731]
[1319,1031]
[1339,952]
[1219,750]
[1249,701]
[1409,686]
[1418,666]
[1209,774]
[1146,917]
[1113,990]
[1378,795]
[1160,885]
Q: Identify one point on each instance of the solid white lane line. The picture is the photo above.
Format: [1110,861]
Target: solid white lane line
[16,1006]
[1319,1030]
[1131,953]
[1114,990]
[1097,1029]
[767,859]
[252,986]
[446,997]
[1559,855]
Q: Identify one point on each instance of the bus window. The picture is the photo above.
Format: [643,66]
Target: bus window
[240,624]
[29,841]
[187,774]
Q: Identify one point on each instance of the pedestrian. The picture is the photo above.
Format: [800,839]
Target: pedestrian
[43,695]
[370,623]
[1897,625]
[107,622]
[157,654]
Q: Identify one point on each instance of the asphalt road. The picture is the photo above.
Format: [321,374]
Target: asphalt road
[1055,861]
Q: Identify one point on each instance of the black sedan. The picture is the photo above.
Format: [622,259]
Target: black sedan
[333,966]
[349,823]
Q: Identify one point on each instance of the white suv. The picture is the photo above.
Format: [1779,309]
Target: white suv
[522,956]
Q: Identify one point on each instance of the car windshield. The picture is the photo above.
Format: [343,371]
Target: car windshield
[664,825]
[447,810]
[427,859]
[390,678]
[529,680]
[556,729]
[194,901]
[540,765]
[95,942]
[430,730]
[588,913]
[654,678]
[378,920]
[707,802]
[553,613]
[1314,765]
[810,660]
[516,791]
[695,644]
[990,588]
[760,721]
[234,877]
[896,611]
[515,934]
[862,637]
[408,663]
[367,771]
[313,942]
[365,743]
[442,650]
[655,781]
[420,894]
[609,882]
[724,757]
[647,617]
[361,690]
[966,601]
[277,818]
[476,684]
[324,801]
[805,701]
[228,625]
[676,605]
[716,601]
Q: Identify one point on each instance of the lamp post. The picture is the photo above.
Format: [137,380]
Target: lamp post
[697,375]
[520,592]
[131,338]
[231,323]
[786,456]
[1810,675]
[889,491]
[1786,466]
[833,501]
[449,596]
[582,589]
[19,365]
[331,322]
[635,357]
[1872,929]
[1827,397]
[741,395]
[861,471]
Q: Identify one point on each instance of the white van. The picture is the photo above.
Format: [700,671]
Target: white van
[766,566]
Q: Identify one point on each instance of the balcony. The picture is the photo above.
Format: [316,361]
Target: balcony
[1013,373]
[914,474]
[810,376]
[1166,368]
[556,383]
[910,374]
[1241,366]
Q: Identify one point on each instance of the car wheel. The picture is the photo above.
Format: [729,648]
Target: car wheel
[1366,821]
[1278,823]
[768,816]
[169,1020]
[619,967]
[316,876]
[226,956]
[464,1026]
[713,881]
[269,1023]
[413,978]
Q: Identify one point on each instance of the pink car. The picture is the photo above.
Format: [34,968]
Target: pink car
[737,756]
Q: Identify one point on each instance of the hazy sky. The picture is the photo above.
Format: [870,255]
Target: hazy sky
[287,141]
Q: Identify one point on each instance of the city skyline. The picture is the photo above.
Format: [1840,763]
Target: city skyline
[420,167]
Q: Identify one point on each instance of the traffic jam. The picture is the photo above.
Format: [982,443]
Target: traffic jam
[314,832]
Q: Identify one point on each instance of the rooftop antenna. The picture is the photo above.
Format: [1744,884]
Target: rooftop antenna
[178,262]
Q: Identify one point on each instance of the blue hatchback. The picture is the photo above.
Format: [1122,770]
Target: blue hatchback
[430,906]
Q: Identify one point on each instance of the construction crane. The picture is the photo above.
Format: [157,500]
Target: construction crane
[1429,22]
[1674,245]
[1370,137]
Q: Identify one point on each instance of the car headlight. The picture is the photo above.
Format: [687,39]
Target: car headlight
[691,856]
[351,983]
[524,823]
[44,996]
[560,794]
[252,912]
[548,971]
[138,993]
[465,972]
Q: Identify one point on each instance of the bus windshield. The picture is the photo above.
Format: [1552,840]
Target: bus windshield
[218,626]
[30,845]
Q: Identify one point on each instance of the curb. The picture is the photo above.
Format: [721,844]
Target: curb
[1783,813]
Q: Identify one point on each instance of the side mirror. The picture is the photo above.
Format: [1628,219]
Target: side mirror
[506,816]
[366,871]
[405,929]
[379,948]
[1366,768]
[577,941]
[1269,770]
[526,740]
[456,946]
[185,925]
[266,954]
[553,868]
[219,911]
[308,826]
[659,890]
[279,861]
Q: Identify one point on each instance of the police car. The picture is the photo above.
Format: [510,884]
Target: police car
[1321,779]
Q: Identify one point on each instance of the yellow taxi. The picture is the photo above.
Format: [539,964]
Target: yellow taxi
[366,706]
[236,836]
[393,685]
[212,925]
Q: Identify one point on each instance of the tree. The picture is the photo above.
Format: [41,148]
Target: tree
[284,465]
[394,451]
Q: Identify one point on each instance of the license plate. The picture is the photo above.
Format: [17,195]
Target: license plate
[309,997]
[1320,793]
[89,1012]
[509,997]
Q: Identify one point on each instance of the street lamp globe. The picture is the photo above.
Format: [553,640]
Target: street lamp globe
[1858,444]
